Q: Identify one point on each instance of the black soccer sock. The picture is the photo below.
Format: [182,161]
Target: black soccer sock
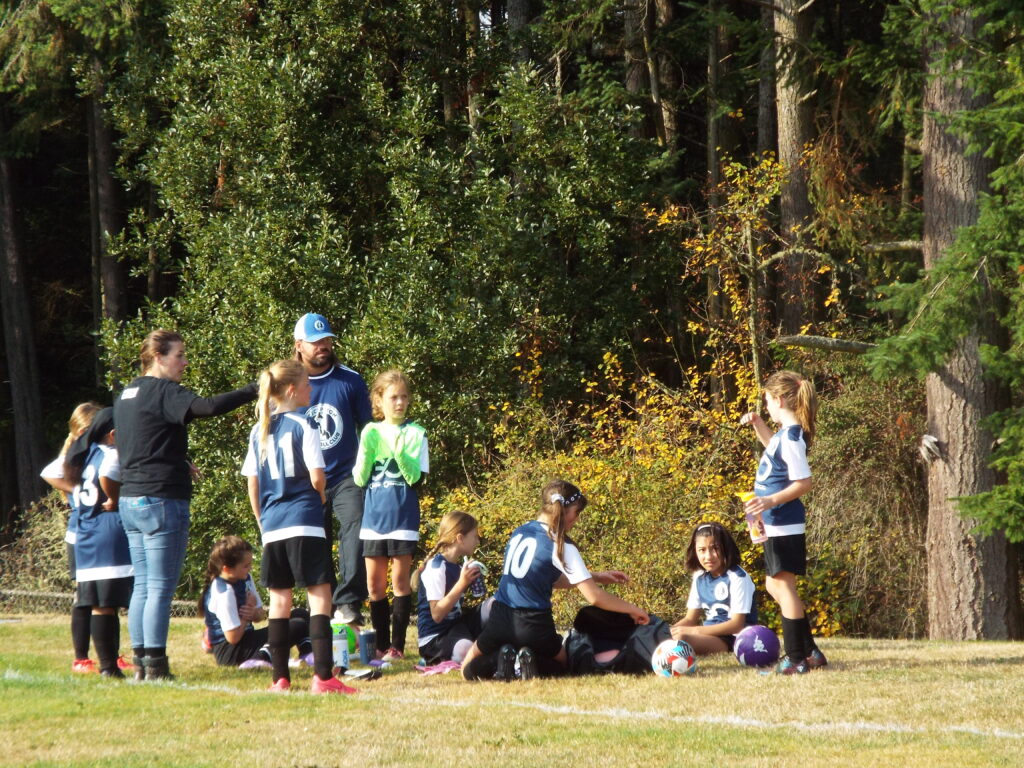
[106,637]
[321,640]
[401,608]
[380,617]
[277,639]
[809,644]
[793,639]
[80,629]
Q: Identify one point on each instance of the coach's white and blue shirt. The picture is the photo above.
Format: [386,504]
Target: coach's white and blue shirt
[101,545]
[436,581]
[339,404]
[289,504]
[532,567]
[783,461]
[55,471]
[720,598]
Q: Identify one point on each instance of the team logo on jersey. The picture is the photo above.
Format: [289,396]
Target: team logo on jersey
[721,590]
[329,422]
[386,473]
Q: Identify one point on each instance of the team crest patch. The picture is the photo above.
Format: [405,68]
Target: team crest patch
[329,422]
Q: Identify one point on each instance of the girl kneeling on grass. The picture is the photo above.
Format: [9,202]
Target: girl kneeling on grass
[446,630]
[230,604]
[285,468]
[540,557]
[720,589]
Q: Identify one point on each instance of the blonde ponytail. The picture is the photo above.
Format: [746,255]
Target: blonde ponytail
[798,395]
[274,383]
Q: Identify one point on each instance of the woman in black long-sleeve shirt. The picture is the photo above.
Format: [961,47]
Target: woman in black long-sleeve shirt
[151,417]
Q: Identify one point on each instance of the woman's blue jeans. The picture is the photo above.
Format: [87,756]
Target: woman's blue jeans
[157,535]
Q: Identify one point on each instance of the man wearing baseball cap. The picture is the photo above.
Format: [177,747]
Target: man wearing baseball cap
[340,405]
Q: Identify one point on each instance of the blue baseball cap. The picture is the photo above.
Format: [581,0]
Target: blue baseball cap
[312,327]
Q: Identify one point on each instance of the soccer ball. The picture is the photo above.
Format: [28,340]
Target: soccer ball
[756,646]
[673,658]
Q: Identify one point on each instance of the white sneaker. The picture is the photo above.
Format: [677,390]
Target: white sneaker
[346,614]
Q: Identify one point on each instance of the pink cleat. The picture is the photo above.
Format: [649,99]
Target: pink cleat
[330,685]
[281,685]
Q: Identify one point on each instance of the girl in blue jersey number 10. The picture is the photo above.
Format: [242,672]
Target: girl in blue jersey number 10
[391,463]
[783,476]
[539,558]
[285,468]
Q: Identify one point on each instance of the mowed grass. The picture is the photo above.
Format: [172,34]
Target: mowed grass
[881,703]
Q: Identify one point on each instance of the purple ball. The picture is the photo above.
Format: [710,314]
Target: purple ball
[756,646]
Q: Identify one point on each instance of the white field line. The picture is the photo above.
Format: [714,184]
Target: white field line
[617,713]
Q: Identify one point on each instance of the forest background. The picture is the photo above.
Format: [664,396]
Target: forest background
[588,229]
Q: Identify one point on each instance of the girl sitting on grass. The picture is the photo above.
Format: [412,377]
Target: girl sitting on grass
[446,629]
[721,590]
[230,605]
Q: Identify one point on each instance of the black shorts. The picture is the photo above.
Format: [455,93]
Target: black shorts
[785,554]
[105,593]
[388,547]
[440,648]
[520,626]
[301,561]
[228,655]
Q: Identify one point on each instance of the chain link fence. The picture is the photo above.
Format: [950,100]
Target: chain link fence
[32,601]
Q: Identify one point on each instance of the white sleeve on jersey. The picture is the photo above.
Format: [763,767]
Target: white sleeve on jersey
[573,567]
[693,601]
[741,593]
[433,581]
[311,452]
[224,606]
[250,467]
[54,470]
[425,457]
[110,467]
[794,453]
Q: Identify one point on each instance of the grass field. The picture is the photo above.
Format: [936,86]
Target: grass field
[882,703]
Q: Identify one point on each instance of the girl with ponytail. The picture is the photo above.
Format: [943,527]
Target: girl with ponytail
[286,480]
[445,628]
[539,558]
[783,476]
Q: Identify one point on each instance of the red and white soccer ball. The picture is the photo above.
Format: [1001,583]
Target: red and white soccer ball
[673,658]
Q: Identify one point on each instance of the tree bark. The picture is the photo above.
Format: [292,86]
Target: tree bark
[22,368]
[971,583]
[519,13]
[794,125]
[108,199]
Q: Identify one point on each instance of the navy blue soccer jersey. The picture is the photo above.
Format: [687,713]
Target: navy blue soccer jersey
[720,598]
[436,581]
[783,461]
[101,545]
[289,504]
[220,606]
[340,406]
[532,567]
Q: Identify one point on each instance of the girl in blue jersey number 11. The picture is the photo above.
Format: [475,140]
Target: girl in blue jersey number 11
[783,476]
[285,467]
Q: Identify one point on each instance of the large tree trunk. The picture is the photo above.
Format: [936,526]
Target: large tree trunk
[971,586]
[794,125]
[108,200]
[22,369]
[519,14]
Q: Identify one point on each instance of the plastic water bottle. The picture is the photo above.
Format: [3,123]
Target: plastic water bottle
[477,588]
[340,641]
[755,525]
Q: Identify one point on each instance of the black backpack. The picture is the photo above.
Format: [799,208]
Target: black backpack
[596,630]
